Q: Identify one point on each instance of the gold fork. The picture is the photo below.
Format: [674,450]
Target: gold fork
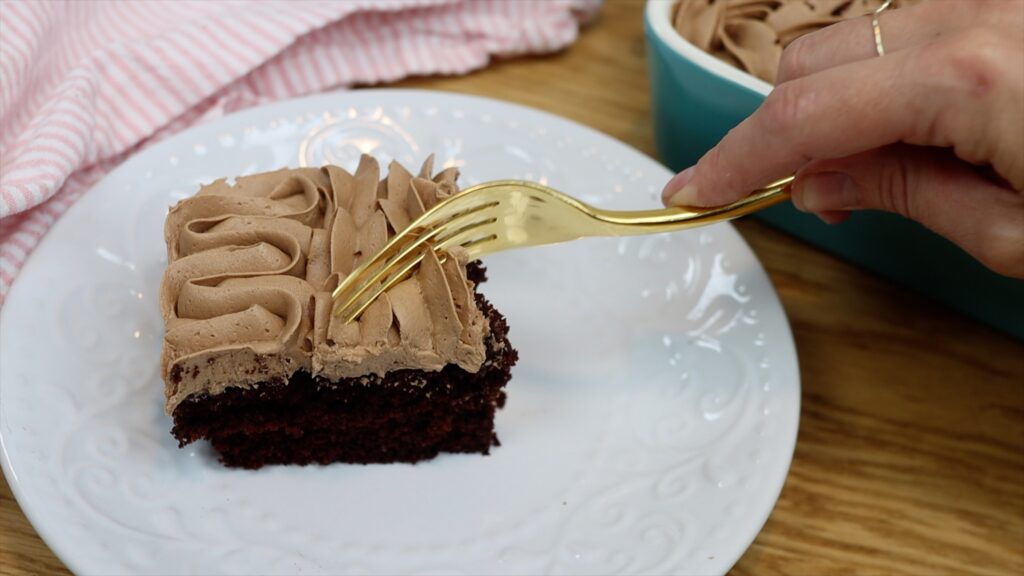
[505,214]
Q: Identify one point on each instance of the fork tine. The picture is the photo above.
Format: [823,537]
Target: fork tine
[371,271]
[411,256]
[355,306]
[478,246]
[467,236]
[401,247]
[405,244]
[358,303]
[449,238]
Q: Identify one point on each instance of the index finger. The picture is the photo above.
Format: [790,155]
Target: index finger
[835,113]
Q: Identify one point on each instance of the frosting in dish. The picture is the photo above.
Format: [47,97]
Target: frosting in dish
[751,34]
[246,296]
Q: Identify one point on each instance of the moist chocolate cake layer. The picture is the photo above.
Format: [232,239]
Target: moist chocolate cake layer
[404,416]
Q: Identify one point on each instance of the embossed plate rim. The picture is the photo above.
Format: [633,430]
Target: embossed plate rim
[51,531]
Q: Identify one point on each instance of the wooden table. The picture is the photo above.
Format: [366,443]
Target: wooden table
[910,458]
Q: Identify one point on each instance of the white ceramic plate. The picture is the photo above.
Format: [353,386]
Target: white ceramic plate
[649,426]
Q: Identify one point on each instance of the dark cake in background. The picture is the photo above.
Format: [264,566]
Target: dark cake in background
[255,362]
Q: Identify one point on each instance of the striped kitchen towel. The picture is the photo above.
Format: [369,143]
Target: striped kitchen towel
[85,84]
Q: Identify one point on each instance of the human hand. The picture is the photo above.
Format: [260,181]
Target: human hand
[933,130]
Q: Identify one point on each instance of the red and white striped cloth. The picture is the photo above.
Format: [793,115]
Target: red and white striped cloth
[85,84]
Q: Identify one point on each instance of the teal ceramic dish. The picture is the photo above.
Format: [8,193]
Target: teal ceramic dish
[696,99]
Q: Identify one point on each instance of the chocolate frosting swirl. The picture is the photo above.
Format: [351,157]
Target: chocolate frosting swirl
[246,296]
[751,34]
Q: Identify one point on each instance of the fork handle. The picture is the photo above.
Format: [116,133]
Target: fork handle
[638,222]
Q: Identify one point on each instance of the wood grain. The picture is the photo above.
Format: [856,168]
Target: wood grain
[910,458]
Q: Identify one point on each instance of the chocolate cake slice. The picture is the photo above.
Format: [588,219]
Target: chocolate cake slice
[255,362]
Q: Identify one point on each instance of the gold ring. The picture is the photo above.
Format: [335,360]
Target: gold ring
[877,28]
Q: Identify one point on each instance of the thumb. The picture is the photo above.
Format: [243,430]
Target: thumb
[931,186]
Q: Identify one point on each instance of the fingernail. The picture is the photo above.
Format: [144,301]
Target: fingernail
[826,191]
[833,216]
[678,191]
